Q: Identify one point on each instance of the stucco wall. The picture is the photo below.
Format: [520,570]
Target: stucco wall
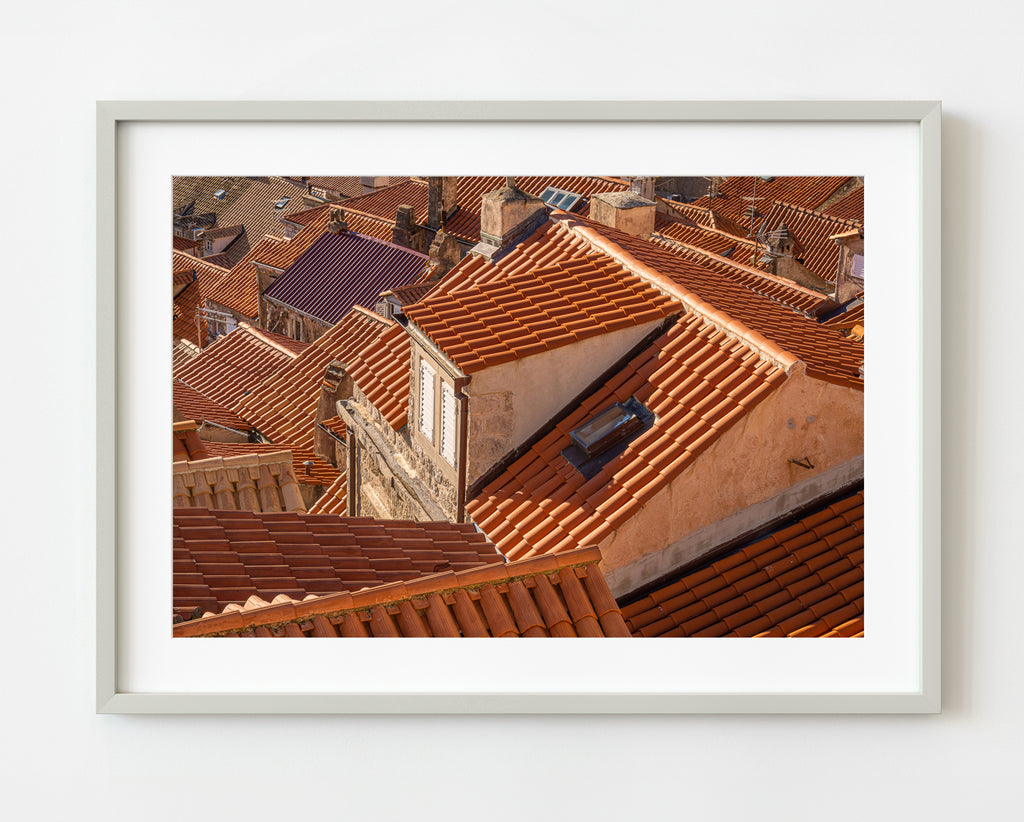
[510,402]
[804,418]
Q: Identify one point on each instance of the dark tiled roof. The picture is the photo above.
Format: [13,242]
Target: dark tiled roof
[481,326]
[198,192]
[257,213]
[564,596]
[283,408]
[247,482]
[342,270]
[224,557]
[803,580]
[695,379]
[237,363]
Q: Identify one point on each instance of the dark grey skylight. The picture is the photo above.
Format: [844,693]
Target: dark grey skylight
[559,198]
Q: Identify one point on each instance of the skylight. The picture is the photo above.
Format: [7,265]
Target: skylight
[220,194]
[559,198]
[607,428]
[282,202]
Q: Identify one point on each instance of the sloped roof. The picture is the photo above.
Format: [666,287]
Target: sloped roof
[465,223]
[247,482]
[812,231]
[189,404]
[224,557]
[198,192]
[236,289]
[694,378]
[334,499]
[804,580]
[735,195]
[848,207]
[256,212]
[283,408]
[183,243]
[342,270]
[564,596]
[185,305]
[730,290]
[381,369]
[237,363]
[481,326]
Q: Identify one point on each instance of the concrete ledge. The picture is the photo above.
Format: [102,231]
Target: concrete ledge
[705,541]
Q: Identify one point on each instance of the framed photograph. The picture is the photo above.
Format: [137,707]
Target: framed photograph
[493,370]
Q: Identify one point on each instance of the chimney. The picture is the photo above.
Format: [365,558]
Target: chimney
[337,223]
[850,274]
[507,216]
[337,385]
[444,253]
[442,200]
[643,187]
[406,233]
[625,211]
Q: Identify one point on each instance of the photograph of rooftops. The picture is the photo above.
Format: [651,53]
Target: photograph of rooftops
[518,406]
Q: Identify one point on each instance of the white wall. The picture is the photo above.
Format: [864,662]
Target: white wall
[59,760]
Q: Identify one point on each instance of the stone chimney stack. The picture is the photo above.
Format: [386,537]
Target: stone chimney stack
[406,233]
[643,187]
[507,216]
[337,223]
[625,211]
[442,200]
[337,385]
[445,252]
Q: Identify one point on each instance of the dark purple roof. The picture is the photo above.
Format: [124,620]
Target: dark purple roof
[342,270]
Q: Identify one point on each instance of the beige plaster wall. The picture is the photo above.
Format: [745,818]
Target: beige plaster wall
[804,418]
[510,402]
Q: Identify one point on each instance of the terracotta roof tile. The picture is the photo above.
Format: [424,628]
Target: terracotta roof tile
[537,311]
[568,597]
[183,243]
[189,404]
[812,232]
[236,289]
[224,557]
[735,194]
[248,482]
[465,223]
[238,362]
[804,580]
[197,193]
[283,408]
[342,270]
[257,213]
[381,369]
[691,377]
[848,207]
[187,445]
[334,499]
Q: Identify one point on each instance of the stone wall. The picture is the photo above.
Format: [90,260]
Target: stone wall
[291,323]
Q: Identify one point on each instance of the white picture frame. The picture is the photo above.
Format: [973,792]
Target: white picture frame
[113,393]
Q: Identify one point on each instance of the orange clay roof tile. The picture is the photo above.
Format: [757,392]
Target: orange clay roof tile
[248,482]
[236,289]
[237,363]
[320,473]
[812,231]
[224,557]
[568,597]
[789,584]
[849,206]
[510,510]
[480,326]
[191,405]
[284,407]
[735,195]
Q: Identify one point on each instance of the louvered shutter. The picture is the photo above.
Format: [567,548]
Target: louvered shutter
[448,423]
[427,400]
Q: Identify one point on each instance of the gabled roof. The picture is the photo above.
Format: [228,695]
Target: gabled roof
[237,363]
[189,404]
[694,378]
[283,408]
[465,223]
[247,482]
[223,557]
[564,596]
[804,580]
[481,326]
[813,232]
[342,270]
[727,289]
[236,289]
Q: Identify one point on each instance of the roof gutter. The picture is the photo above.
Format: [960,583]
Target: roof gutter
[771,351]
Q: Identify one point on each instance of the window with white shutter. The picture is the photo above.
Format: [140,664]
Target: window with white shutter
[427,400]
[448,423]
